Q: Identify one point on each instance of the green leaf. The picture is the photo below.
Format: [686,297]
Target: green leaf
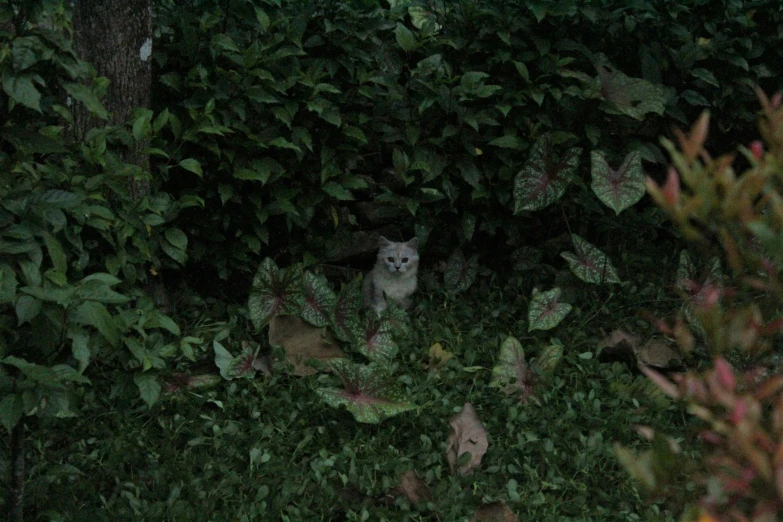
[192,165]
[545,312]
[542,180]
[95,314]
[318,300]
[405,38]
[11,410]
[177,238]
[283,143]
[590,264]
[56,253]
[27,308]
[274,292]
[368,393]
[85,95]
[80,349]
[337,191]
[21,89]
[621,188]
[223,360]
[706,76]
[148,387]
[507,142]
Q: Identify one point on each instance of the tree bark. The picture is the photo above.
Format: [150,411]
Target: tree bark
[115,36]
[16,491]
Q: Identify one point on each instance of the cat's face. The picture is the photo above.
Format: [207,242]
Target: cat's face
[398,257]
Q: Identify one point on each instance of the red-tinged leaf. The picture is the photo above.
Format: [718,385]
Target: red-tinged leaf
[545,312]
[368,393]
[543,179]
[725,374]
[242,365]
[671,190]
[666,386]
[739,412]
[757,149]
[274,292]
[692,144]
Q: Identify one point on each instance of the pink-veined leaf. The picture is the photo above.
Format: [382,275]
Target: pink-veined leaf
[242,365]
[318,300]
[368,393]
[460,273]
[377,340]
[345,314]
[543,179]
[274,292]
[545,312]
[546,361]
[621,188]
[590,264]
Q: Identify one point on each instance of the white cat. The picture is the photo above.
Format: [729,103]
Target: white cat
[394,275]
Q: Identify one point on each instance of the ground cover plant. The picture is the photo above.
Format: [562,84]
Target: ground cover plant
[181,332]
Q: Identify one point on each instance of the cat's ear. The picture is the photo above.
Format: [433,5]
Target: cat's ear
[413,243]
[383,242]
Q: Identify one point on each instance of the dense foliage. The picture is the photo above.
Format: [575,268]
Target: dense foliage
[511,137]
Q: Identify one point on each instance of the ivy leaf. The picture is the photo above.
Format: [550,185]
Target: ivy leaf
[545,312]
[377,342]
[368,393]
[274,292]
[148,387]
[345,314]
[511,373]
[621,188]
[590,264]
[542,181]
[318,300]
[460,274]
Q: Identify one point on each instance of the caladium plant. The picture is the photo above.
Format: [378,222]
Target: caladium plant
[590,264]
[543,179]
[545,311]
[274,292]
[621,188]
[460,272]
[368,392]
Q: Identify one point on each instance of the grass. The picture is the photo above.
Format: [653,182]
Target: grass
[269,449]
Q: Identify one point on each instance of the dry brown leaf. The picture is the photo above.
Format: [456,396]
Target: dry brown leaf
[438,356]
[495,512]
[619,340]
[656,352]
[467,435]
[414,488]
[302,342]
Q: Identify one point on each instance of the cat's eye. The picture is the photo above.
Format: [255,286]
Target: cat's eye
[404,259]
[390,259]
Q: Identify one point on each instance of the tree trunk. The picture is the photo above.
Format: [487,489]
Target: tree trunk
[16,491]
[115,37]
